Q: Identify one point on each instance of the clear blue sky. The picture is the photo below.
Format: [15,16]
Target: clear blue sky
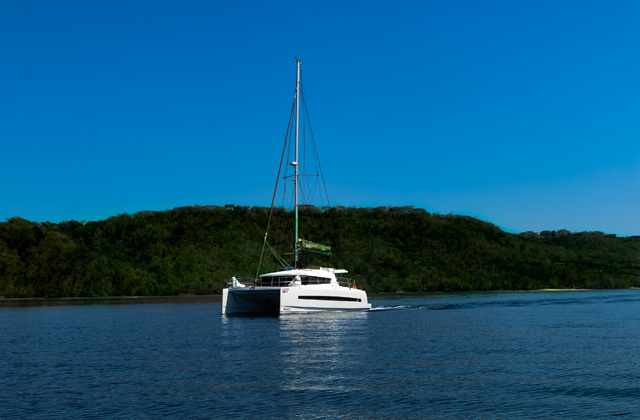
[524,114]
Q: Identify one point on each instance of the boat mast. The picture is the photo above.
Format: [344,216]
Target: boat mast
[295,246]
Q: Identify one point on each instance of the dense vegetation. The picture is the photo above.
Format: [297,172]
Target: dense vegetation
[196,249]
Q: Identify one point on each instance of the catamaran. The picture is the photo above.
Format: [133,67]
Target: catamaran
[295,289]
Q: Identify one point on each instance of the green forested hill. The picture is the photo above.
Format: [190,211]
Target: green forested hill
[196,249]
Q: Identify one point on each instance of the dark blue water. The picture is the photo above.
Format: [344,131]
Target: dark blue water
[481,355]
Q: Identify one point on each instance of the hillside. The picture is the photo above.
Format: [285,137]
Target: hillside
[196,249]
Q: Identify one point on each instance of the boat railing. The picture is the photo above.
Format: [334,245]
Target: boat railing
[246,282]
[273,282]
[286,281]
[346,282]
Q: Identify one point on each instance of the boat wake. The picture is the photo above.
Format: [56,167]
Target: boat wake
[577,298]
[398,307]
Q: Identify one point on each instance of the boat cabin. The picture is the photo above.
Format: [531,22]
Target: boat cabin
[303,277]
[289,280]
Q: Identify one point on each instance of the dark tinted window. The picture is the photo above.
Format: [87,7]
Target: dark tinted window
[338,298]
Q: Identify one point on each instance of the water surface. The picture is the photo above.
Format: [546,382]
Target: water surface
[571,354]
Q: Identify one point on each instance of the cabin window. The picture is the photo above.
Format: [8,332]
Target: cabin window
[315,280]
[336,298]
[276,281]
[280,281]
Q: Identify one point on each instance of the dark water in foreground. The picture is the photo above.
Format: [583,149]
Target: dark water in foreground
[482,355]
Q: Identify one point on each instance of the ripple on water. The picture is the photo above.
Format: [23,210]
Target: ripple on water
[484,355]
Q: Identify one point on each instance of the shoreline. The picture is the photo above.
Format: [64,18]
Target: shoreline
[189,298]
[106,300]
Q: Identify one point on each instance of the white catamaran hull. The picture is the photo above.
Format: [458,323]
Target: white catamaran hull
[291,300]
[295,290]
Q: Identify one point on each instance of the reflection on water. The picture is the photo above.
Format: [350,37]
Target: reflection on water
[474,355]
[318,346]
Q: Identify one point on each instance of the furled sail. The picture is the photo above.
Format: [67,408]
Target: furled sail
[308,246]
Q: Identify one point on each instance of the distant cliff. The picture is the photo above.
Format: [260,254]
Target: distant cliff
[386,249]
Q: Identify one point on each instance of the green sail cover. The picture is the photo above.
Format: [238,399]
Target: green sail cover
[304,245]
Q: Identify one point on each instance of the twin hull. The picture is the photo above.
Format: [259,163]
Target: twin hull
[293,299]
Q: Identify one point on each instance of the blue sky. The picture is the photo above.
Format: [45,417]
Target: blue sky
[524,114]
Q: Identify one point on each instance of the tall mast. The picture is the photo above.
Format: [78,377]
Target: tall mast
[295,247]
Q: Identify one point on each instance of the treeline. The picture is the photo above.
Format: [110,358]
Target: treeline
[386,249]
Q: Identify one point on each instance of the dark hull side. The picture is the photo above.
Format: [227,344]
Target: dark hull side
[253,302]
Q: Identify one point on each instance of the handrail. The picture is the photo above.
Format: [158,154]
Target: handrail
[346,282]
[281,282]
[246,282]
